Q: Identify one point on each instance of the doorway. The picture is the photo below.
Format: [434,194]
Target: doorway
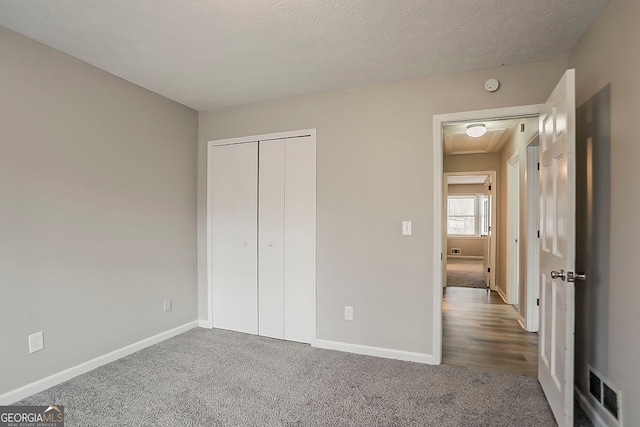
[481,324]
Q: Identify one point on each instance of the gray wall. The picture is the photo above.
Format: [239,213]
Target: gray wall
[97,214]
[607,54]
[374,169]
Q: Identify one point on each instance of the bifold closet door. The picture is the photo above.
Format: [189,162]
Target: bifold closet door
[234,221]
[271,238]
[287,239]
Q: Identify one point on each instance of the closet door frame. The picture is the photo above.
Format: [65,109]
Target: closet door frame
[208,323]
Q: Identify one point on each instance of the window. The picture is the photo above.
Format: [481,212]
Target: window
[468,215]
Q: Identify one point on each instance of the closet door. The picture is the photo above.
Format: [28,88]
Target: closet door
[234,216]
[271,238]
[300,239]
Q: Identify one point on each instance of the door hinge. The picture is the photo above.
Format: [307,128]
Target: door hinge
[538,234]
[440,256]
[521,127]
[538,302]
[538,165]
[489,187]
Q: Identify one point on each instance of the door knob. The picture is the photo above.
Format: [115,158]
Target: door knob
[244,243]
[270,244]
[572,277]
[559,275]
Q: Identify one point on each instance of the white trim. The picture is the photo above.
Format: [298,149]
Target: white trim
[513,229]
[62,376]
[522,322]
[243,140]
[465,257]
[203,323]
[263,137]
[438,251]
[502,294]
[532,279]
[590,407]
[386,353]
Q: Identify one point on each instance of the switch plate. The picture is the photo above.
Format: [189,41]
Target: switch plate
[36,342]
[348,313]
[406,228]
[167,305]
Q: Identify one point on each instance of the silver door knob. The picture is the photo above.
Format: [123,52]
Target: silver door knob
[559,275]
[244,243]
[270,244]
[572,277]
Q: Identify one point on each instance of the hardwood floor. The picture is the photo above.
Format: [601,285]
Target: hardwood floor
[480,331]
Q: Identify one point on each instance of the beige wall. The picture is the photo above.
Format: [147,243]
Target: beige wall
[517,143]
[374,169]
[607,53]
[471,162]
[98,216]
[469,246]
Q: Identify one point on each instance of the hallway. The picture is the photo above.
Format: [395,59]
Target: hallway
[480,331]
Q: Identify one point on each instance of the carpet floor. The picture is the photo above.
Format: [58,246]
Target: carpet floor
[465,273]
[220,378]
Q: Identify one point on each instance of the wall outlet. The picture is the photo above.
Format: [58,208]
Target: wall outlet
[348,313]
[36,342]
[167,305]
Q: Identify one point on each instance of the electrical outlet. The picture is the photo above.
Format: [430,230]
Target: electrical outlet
[36,342]
[167,305]
[348,313]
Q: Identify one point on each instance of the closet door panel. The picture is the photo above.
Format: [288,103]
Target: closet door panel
[271,239]
[234,211]
[245,249]
[222,226]
[300,240]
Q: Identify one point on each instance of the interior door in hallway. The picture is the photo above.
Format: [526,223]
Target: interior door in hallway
[557,249]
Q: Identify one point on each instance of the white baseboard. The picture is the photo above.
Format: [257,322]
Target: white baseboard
[205,324]
[465,256]
[598,417]
[522,322]
[387,353]
[502,294]
[60,377]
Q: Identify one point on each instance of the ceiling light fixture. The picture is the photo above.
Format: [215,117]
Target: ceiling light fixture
[476,130]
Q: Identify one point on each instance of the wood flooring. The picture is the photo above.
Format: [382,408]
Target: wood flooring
[481,332]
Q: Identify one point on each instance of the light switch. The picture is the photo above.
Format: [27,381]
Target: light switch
[406,228]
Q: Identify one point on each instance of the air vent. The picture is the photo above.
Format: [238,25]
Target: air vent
[595,386]
[456,251]
[610,400]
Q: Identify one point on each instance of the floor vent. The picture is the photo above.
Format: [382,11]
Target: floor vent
[455,251]
[595,386]
[606,397]
[610,400]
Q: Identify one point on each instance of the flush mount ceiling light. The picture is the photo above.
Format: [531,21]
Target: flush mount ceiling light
[476,130]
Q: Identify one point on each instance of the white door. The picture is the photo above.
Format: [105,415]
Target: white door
[557,249]
[233,219]
[287,257]
[271,238]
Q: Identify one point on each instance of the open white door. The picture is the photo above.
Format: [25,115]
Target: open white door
[557,249]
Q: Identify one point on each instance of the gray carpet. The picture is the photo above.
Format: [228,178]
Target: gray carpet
[465,273]
[221,378]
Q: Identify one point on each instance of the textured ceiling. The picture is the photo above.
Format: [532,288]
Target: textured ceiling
[209,54]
